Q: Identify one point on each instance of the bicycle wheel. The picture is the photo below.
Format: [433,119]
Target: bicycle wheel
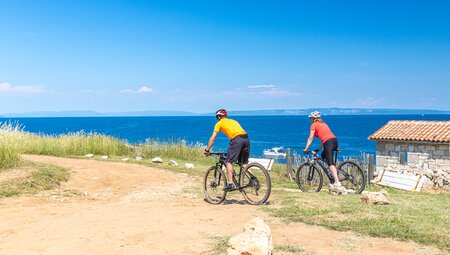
[351,176]
[309,178]
[255,184]
[213,185]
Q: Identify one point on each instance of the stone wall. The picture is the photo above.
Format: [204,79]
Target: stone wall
[429,159]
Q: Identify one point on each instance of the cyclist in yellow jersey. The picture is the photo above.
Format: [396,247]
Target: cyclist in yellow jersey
[239,148]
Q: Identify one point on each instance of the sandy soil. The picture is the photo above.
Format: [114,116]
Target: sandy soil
[123,208]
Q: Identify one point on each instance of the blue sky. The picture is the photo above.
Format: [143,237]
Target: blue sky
[202,55]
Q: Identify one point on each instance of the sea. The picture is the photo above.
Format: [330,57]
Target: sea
[265,132]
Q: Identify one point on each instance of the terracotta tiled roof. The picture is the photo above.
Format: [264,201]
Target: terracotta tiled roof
[413,130]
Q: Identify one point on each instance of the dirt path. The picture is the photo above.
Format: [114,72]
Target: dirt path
[132,209]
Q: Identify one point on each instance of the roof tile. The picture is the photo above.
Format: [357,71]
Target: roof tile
[414,130]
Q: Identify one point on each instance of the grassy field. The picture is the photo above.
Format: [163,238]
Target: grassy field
[41,177]
[419,217]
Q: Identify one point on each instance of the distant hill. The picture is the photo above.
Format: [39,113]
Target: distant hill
[339,111]
[324,111]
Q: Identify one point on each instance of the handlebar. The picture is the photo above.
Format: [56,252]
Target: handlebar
[218,154]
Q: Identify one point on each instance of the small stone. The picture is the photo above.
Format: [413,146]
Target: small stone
[89,155]
[104,157]
[125,159]
[157,160]
[138,158]
[173,163]
[86,194]
[189,166]
[376,198]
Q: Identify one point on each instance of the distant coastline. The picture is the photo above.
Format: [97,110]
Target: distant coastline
[274,112]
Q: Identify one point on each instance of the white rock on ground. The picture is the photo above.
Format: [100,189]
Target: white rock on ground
[89,155]
[173,163]
[138,158]
[376,198]
[189,166]
[255,240]
[125,159]
[104,157]
[157,160]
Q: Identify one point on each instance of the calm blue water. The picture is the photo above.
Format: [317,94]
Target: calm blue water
[264,131]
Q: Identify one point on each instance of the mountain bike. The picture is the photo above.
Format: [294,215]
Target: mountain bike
[309,177]
[253,181]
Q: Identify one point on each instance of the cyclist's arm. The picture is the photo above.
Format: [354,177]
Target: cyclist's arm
[310,139]
[211,140]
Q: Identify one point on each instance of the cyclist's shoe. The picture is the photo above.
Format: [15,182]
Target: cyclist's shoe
[229,187]
[338,189]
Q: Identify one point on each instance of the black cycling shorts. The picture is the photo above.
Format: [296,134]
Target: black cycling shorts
[239,150]
[328,148]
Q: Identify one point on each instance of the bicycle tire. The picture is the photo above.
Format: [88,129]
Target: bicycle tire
[209,186]
[249,186]
[304,171]
[358,178]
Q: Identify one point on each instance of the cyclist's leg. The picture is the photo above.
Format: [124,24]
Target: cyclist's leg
[328,156]
[233,153]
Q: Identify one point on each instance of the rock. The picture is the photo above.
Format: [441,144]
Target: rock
[105,157]
[338,190]
[255,240]
[89,155]
[157,160]
[376,198]
[173,163]
[429,173]
[138,158]
[86,194]
[189,166]
[427,184]
[125,159]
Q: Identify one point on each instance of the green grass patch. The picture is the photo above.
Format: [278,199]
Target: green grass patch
[420,217]
[220,245]
[285,248]
[43,177]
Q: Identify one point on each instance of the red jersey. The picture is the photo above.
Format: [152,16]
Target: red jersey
[322,131]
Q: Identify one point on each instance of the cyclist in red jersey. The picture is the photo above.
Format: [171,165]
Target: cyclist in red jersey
[329,142]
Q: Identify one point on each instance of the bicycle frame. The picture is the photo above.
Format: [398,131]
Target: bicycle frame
[315,159]
[220,164]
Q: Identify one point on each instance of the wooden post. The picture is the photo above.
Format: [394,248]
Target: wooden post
[370,169]
[289,161]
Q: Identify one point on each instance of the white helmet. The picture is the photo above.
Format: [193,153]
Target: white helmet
[314,115]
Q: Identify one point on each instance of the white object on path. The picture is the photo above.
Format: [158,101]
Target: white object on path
[89,155]
[104,157]
[125,159]
[189,166]
[255,240]
[138,158]
[157,160]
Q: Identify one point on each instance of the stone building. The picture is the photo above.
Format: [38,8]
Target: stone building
[417,147]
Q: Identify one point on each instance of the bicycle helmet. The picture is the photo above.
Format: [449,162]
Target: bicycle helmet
[314,115]
[221,113]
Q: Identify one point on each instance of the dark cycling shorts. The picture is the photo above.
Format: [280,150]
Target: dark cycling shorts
[239,149]
[328,148]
